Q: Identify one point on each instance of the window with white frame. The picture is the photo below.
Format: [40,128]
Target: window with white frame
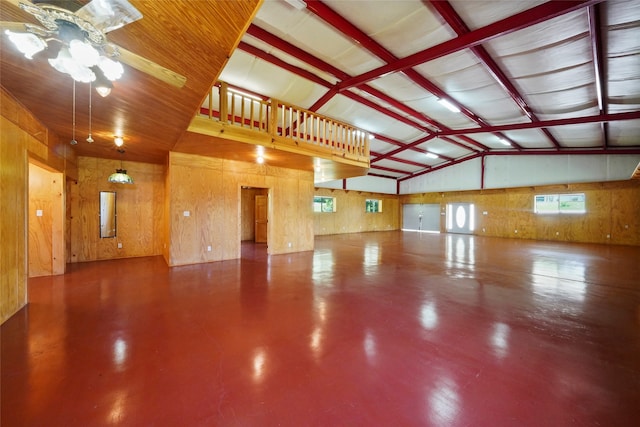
[560,203]
[324,204]
[373,205]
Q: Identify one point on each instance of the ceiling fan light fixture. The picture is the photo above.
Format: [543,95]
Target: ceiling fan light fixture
[118,140]
[83,53]
[28,44]
[102,85]
[111,69]
[65,63]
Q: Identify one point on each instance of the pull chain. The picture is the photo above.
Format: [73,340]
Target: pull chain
[73,140]
[89,138]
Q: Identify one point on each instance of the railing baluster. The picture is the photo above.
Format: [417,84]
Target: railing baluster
[288,121]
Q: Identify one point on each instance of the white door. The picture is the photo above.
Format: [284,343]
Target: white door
[460,218]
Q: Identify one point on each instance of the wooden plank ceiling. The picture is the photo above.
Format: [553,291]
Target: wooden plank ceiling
[192,38]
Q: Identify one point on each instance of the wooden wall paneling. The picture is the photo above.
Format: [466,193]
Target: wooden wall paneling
[46,232]
[13,200]
[168,219]
[228,221]
[139,209]
[58,236]
[247,214]
[611,206]
[39,227]
[305,207]
[183,226]
[158,216]
[520,222]
[625,217]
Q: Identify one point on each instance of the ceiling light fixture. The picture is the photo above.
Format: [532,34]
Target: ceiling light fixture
[118,140]
[432,155]
[504,141]
[84,51]
[450,106]
[120,176]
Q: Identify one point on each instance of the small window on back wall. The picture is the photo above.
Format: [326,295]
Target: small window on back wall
[373,205]
[560,203]
[324,204]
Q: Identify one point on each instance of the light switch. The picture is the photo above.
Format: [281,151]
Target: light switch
[186,213]
[39,212]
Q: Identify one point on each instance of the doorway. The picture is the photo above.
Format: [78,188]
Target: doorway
[46,242]
[421,217]
[461,218]
[254,217]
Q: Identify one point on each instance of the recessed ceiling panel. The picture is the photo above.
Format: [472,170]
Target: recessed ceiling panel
[343,109]
[625,133]
[248,72]
[402,27]
[479,13]
[311,34]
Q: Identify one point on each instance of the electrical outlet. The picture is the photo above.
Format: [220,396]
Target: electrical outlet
[119,245]
[289,244]
[208,248]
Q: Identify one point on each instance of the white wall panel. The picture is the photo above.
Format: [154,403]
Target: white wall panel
[519,171]
[464,176]
[374,184]
[337,184]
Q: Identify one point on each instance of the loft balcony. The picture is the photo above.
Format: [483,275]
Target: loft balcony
[231,124]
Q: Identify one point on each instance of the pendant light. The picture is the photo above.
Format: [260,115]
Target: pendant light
[89,138]
[120,176]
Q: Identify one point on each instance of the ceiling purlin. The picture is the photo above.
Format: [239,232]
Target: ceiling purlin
[332,18]
[306,57]
[505,26]
[400,160]
[448,13]
[598,67]
[600,118]
[392,170]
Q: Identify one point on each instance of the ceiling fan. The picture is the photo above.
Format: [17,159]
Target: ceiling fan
[85,52]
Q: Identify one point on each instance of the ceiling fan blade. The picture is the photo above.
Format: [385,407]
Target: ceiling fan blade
[16,3]
[13,26]
[155,70]
[109,15]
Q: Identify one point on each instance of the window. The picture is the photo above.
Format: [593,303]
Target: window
[324,204]
[560,203]
[373,205]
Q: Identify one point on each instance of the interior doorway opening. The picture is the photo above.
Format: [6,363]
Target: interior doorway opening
[254,220]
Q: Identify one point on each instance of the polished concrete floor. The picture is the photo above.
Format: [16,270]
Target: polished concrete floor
[373,329]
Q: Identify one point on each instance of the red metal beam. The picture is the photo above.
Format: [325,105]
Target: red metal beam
[328,68]
[505,26]
[598,67]
[454,20]
[399,160]
[314,78]
[347,28]
[548,123]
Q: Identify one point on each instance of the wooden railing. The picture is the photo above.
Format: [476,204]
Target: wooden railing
[284,122]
